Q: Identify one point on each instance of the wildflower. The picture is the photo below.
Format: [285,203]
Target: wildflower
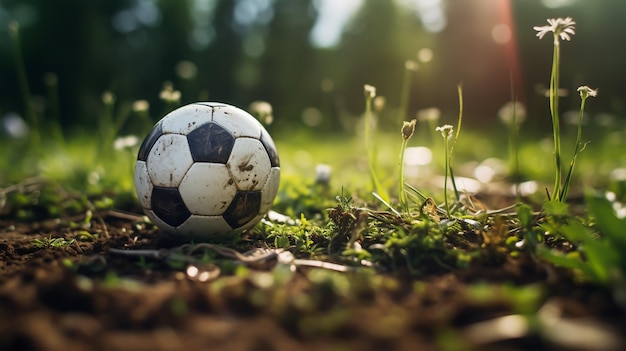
[446,131]
[168,94]
[141,106]
[108,98]
[322,173]
[125,142]
[429,114]
[408,128]
[14,125]
[562,28]
[370,91]
[263,111]
[586,91]
[14,28]
[379,103]
[186,69]
[327,85]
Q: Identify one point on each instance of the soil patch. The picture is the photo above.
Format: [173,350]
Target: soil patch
[81,296]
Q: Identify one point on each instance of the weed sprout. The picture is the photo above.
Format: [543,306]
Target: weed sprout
[370,94]
[170,96]
[408,128]
[263,111]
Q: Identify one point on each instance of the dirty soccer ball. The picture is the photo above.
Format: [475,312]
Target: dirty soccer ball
[207,169]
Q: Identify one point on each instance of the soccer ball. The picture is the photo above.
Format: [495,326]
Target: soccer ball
[207,169]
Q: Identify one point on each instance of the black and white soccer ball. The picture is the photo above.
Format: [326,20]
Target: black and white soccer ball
[207,169]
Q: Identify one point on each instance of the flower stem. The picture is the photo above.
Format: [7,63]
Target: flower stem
[401,194]
[445,179]
[554,111]
[456,137]
[371,149]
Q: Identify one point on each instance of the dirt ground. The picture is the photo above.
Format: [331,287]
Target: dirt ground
[84,297]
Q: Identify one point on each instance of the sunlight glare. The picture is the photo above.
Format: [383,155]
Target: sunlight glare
[430,12]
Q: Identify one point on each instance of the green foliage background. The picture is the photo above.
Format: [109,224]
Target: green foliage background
[76,41]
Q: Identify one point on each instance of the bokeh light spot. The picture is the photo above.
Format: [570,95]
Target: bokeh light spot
[425,55]
[417,156]
[501,33]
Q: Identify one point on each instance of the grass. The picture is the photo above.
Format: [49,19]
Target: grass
[50,242]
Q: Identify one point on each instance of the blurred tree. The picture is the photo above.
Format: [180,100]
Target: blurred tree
[60,37]
[369,53]
[289,69]
[218,62]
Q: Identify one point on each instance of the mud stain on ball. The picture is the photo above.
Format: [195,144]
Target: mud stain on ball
[245,167]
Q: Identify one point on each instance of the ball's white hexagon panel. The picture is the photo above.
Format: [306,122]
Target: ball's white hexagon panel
[158,222]
[201,228]
[143,185]
[269,190]
[239,122]
[185,119]
[249,164]
[168,160]
[207,188]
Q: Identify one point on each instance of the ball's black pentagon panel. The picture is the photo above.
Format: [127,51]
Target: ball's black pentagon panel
[168,205]
[210,143]
[244,208]
[268,143]
[149,141]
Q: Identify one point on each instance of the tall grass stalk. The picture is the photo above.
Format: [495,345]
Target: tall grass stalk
[456,137]
[513,141]
[110,123]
